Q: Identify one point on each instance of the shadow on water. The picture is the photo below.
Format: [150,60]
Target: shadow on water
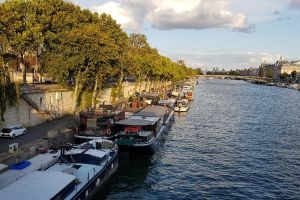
[131,175]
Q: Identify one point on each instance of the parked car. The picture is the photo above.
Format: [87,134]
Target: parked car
[12,131]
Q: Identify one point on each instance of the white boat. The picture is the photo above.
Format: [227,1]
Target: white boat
[167,102]
[76,174]
[281,85]
[293,86]
[182,106]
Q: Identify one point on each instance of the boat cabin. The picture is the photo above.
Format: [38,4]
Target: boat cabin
[139,128]
[151,98]
[96,123]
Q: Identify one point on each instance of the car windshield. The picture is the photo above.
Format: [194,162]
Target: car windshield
[6,130]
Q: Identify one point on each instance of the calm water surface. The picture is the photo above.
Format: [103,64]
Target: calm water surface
[238,141]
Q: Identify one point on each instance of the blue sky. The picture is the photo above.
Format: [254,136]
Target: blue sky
[229,34]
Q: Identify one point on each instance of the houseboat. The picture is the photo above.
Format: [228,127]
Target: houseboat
[97,124]
[142,130]
[78,172]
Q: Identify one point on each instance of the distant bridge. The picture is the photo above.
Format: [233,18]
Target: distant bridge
[254,79]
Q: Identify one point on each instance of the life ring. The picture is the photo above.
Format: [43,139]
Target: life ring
[108,132]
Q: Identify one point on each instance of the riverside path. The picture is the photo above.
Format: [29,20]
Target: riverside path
[35,132]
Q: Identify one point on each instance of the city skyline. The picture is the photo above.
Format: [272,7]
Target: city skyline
[230,34]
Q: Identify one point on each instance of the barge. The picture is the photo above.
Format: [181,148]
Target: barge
[77,173]
[142,130]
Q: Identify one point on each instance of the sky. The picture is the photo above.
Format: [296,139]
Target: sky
[228,34]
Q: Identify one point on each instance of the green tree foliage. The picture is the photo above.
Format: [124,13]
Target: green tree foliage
[284,76]
[81,49]
[148,64]
[9,92]
[269,73]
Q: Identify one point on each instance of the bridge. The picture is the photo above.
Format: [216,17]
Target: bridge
[253,79]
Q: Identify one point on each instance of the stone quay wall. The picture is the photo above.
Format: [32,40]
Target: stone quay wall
[55,103]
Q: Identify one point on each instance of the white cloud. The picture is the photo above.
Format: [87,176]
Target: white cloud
[122,14]
[175,14]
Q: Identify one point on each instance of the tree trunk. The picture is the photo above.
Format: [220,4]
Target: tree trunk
[22,65]
[95,92]
[146,85]
[76,92]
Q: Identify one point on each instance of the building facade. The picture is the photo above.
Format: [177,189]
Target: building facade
[274,71]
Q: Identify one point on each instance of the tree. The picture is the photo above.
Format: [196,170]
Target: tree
[9,94]
[261,72]
[80,49]
[269,73]
[284,76]
[18,23]
[294,74]
[199,71]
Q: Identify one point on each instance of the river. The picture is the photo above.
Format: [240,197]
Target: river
[238,141]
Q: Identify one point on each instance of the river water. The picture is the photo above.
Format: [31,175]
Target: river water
[238,141]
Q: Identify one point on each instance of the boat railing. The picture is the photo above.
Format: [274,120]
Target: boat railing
[91,171]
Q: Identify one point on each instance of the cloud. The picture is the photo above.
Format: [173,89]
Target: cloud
[198,15]
[130,14]
[175,14]
[295,4]
[227,59]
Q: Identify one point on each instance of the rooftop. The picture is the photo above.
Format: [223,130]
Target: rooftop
[37,185]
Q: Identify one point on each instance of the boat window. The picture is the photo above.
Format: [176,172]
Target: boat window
[85,158]
[65,192]
[76,166]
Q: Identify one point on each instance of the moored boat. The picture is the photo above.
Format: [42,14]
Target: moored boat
[182,106]
[142,130]
[77,174]
[96,124]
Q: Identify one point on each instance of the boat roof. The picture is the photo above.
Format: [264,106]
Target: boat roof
[37,162]
[152,111]
[37,185]
[92,152]
[135,122]
[147,116]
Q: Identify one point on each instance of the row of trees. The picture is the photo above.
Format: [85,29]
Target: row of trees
[75,46]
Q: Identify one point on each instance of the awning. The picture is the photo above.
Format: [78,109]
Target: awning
[133,129]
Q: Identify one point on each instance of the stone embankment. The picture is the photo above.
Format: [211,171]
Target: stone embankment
[41,103]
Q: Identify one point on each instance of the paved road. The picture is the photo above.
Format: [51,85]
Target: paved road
[35,132]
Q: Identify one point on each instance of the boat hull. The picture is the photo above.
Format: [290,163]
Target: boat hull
[99,180]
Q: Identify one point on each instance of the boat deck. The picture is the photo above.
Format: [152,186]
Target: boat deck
[85,173]
[153,111]
[39,162]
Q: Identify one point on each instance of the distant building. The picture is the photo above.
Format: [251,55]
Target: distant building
[290,67]
[249,72]
[281,66]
